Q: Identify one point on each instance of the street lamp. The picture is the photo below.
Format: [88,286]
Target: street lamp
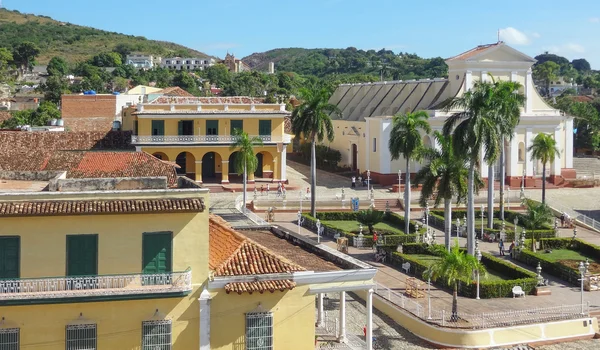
[516,221]
[368,182]
[457,228]
[478,255]
[582,271]
[399,183]
[482,215]
[574,231]
[523,184]
[319,231]
[427,221]
[540,279]
[300,220]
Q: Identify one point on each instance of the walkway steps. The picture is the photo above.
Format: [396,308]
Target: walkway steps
[236,219]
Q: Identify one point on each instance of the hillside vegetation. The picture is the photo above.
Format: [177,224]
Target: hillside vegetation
[73,42]
[351,61]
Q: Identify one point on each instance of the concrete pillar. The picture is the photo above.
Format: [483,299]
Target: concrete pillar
[555,165]
[276,170]
[250,178]
[514,157]
[528,159]
[284,163]
[198,169]
[468,80]
[369,336]
[204,320]
[320,313]
[568,154]
[529,92]
[367,139]
[384,151]
[224,172]
[342,330]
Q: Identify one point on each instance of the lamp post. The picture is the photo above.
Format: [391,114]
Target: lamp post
[523,184]
[318,231]
[399,184]
[457,228]
[478,255]
[300,220]
[368,182]
[516,221]
[574,232]
[540,279]
[523,239]
[427,222]
[482,215]
[582,271]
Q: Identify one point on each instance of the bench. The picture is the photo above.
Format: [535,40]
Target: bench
[518,291]
[406,267]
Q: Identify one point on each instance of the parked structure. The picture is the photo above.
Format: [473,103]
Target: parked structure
[362,133]
[196,133]
[187,63]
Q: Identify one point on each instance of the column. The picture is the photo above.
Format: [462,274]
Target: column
[284,164]
[199,171]
[276,173]
[342,330]
[529,92]
[484,76]
[385,165]
[224,171]
[369,319]
[468,80]
[514,156]
[568,154]
[556,164]
[320,314]
[483,165]
[528,159]
[367,144]
[250,178]
[204,320]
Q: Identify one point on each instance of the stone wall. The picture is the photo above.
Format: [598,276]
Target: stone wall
[89,112]
[110,184]
[30,175]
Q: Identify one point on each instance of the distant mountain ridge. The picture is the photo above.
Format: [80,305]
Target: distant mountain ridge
[75,42]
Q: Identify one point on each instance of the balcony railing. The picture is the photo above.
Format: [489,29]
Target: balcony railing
[95,286]
[190,139]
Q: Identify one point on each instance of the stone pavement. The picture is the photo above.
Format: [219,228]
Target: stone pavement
[392,278]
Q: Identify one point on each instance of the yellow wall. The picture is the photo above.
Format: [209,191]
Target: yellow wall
[293,318]
[43,241]
[119,323]
[250,124]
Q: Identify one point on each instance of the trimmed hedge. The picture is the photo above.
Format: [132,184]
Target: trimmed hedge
[392,219]
[487,289]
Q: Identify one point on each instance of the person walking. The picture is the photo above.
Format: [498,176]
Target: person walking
[562,220]
[353,185]
[501,247]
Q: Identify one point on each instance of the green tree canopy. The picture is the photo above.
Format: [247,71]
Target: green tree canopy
[546,72]
[544,148]
[25,53]
[370,218]
[581,65]
[58,67]
[107,59]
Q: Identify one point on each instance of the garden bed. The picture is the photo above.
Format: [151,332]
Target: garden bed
[502,275]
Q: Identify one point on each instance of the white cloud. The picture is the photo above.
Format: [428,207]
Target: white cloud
[574,48]
[536,35]
[594,20]
[512,36]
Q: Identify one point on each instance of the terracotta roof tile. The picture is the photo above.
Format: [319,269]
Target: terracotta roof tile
[208,100]
[232,254]
[475,51]
[174,91]
[93,207]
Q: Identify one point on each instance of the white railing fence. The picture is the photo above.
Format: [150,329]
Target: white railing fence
[576,215]
[241,207]
[135,139]
[481,320]
[57,287]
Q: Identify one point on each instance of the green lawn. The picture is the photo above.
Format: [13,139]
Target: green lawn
[354,226]
[561,254]
[427,259]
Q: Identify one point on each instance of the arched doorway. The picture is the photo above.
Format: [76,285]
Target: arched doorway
[187,164]
[232,162]
[259,167]
[161,156]
[208,166]
[265,165]
[354,157]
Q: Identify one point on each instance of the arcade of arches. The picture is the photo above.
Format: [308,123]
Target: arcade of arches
[218,166]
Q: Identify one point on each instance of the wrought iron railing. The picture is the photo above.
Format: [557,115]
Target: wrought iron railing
[100,285]
[185,139]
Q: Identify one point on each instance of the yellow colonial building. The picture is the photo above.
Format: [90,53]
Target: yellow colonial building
[196,133]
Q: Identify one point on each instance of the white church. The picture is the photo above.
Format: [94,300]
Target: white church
[363,132]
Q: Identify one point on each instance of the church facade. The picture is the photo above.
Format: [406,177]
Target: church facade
[362,132]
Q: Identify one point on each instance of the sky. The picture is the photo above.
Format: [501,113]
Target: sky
[428,28]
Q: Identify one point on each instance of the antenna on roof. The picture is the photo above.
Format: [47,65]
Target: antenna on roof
[498,35]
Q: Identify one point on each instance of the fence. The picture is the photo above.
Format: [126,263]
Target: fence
[484,319]
[586,220]
[241,207]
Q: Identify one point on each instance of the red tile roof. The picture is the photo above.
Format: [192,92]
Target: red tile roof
[475,51]
[232,254]
[208,100]
[174,91]
[95,207]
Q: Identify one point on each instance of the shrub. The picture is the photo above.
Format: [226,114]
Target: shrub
[370,218]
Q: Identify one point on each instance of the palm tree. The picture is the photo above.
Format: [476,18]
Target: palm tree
[537,215]
[544,149]
[455,265]
[245,160]
[406,139]
[475,131]
[508,103]
[312,119]
[370,218]
[444,177]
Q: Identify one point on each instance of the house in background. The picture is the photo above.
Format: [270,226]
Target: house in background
[142,61]
[362,133]
[235,65]
[187,63]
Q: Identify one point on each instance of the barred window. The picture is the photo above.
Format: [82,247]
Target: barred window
[156,335]
[259,331]
[81,337]
[9,338]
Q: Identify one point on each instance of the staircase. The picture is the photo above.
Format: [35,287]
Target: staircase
[587,167]
[236,219]
[394,204]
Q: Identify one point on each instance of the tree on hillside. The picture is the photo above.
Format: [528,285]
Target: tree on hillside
[475,130]
[546,56]
[311,120]
[582,65]
[57,67]
[245,160]
[406,139]
[24,55]
[39,117]
[6,58]
[545,150]
[107,59]
[53,88]
[546,72]
[219,75]
[185,81]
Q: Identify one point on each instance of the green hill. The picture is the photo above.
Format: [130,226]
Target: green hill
[74,42]
[350,61]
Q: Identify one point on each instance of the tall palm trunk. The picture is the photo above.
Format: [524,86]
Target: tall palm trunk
[407,198]
[490,220]
[471,209]
[313,177]
[448,222]
[454,316]
[245,177]
[502,179]
[544,184]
